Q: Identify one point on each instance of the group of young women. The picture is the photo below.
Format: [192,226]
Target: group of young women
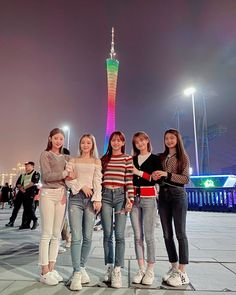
[115,185]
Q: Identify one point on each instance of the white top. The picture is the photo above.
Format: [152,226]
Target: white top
[89,174]
[142,158]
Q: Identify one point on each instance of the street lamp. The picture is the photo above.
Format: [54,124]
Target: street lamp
[67,129]
[190,92]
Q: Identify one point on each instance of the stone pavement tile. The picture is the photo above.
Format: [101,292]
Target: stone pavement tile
[18,273]
[4,285]
[201,259]
[218,255]
[36,288]
[178,292]
[214,243]
[230,266]
[211,277]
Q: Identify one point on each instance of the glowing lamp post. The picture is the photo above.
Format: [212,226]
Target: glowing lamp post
[190,92]
[67,130]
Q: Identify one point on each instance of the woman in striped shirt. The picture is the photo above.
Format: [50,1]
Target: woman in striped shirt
[117,198]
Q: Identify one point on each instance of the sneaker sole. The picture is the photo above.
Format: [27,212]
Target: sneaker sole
[85,282]
[54,284]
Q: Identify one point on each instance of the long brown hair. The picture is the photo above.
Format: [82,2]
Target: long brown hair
[180,150]
[107,156]
[144,135]
[52,133]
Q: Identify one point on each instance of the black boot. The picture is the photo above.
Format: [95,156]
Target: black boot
[24,226]
[35,224]
[10,224]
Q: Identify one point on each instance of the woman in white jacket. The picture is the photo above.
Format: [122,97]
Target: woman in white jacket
[84,203]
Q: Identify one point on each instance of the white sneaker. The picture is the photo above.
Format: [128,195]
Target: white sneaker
[137,279]
[76,281]
[178,278]
[48,279]
[57,275]
[148,277]
[85,279]
[107,276]
[116,281]
[168,274]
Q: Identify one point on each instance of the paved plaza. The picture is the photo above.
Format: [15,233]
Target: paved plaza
[212,268]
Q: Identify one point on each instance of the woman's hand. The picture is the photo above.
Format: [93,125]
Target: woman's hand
[135,171]
[158,174]
[97,205]
[71,175]
[87,191]
[128,205]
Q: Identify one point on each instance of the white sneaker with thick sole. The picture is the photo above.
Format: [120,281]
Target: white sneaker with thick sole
[57,275]
[178,278]
[137,279]
[48,279]
[116,281]
[85,279]
[75,284]
[168,274]
[107,275]
[148,277]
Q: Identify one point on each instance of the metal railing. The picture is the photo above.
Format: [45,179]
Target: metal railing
[212,199]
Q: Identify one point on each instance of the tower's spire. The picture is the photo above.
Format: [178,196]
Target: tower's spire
[112,52]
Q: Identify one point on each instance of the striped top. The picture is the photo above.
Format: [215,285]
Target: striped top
[119,173]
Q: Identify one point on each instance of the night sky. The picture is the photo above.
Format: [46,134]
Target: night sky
[52,71]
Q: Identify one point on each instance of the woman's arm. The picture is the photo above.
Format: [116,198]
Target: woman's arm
[97,182]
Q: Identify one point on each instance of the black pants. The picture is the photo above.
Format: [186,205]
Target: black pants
[17,204]
[173,205]
[29,210]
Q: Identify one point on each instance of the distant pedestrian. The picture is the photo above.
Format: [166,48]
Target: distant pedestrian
[5,194]
[27,189]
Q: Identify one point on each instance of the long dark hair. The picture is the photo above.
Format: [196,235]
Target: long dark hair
[180,150]
[144,135]
[51,134]
[107,156]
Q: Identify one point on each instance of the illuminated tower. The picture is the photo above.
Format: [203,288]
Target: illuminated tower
[112,74]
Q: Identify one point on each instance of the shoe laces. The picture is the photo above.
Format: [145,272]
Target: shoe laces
[149,273]
[116,273]
[175,273]
[140,272]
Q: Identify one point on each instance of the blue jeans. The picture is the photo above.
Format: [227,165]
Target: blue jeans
[143,218]
[82,219]
[113,200]
[173,205]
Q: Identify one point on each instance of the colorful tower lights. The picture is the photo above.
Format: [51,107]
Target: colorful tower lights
[112,73]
